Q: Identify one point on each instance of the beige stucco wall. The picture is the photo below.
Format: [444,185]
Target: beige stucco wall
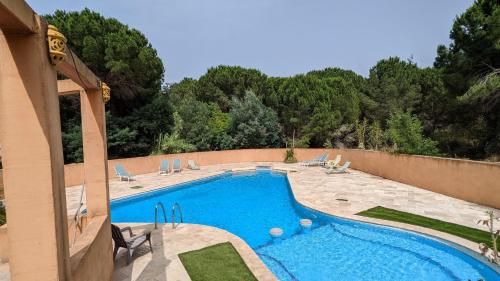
[473,181]
[92,254]
[142,165]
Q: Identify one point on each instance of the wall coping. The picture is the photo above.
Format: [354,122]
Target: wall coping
[85,240]
[423,156]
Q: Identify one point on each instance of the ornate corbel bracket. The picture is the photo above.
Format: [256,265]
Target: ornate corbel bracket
[57,45]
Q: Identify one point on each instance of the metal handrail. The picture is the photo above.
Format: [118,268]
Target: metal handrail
[77,216]
[173,213]
[156,214]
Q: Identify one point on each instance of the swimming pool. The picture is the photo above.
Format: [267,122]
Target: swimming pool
[249,204]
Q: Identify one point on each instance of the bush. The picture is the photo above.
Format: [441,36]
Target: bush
[406,133]
[375,138]
[290,156]
[361,133]
[253,124]
[173,143]
[3,219]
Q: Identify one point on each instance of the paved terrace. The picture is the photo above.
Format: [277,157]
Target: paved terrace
[311,187]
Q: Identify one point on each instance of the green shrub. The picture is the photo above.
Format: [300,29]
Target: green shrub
[290,156]
[3,219]
[406,133]
[173,143]
[361,133]
[375,137]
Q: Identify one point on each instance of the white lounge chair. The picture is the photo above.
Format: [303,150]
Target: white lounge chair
[164,167]
[318,161]
[192,165]
[122,173]
[177,166]
[333,163]
[340,170]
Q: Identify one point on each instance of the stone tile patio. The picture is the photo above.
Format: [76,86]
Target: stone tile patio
[164,264]
[313,188]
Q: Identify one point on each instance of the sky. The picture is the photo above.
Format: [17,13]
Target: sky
[280,37]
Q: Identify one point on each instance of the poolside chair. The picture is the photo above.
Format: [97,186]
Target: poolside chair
[164,167]
[131,243]
[122,173]
[340,170]
[192,165]
[333,163]
[306,163]
[177,166]
[318,161]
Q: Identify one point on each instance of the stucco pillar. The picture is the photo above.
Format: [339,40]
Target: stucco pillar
[32,156]
[95,153]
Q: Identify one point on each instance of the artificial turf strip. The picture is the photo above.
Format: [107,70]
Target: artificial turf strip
[220,262]
[465,232]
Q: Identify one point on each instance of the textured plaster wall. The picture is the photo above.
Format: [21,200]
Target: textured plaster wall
[473,181]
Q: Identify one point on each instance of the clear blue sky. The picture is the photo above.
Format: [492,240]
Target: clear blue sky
[280,37]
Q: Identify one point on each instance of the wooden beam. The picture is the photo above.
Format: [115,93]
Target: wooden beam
[68,87]
[73,68]
[16,16]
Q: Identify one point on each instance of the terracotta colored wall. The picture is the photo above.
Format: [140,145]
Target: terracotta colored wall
[149,164]
[93,258]
[32,154]
[473,181]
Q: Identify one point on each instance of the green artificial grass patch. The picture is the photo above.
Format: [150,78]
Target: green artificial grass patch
[220,262]
[465,232]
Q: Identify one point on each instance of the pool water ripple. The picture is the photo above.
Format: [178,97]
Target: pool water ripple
[281,265]
[419,256]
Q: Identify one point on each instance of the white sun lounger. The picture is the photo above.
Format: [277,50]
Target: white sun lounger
[340,170]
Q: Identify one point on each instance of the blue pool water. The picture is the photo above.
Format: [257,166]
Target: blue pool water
[249,204]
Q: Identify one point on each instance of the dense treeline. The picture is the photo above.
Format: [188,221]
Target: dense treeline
[449,109]
[125,60]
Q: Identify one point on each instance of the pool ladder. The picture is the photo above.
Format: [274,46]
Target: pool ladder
[174,206]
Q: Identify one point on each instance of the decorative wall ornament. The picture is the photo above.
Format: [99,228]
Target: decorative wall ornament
[57,45]
[106,92]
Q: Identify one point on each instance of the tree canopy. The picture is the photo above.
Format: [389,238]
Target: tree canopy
[452,108]
[122,57]
[125,60]
[253,124]
[471,126]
